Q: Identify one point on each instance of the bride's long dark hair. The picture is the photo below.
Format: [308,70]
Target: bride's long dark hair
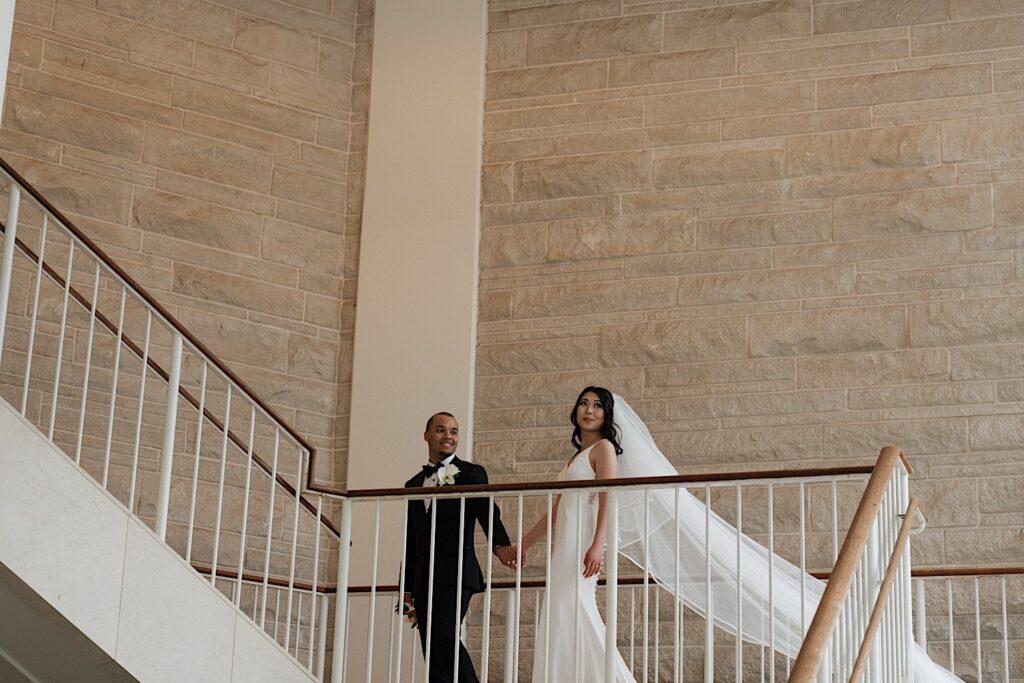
[608,429]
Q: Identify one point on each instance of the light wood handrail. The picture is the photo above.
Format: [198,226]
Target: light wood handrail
[884,591]
[805,668]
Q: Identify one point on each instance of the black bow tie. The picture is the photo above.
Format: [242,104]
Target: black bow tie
[432,469]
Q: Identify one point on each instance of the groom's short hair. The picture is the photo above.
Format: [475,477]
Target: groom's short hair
[430,420]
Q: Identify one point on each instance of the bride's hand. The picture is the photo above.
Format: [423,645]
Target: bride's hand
[593,561]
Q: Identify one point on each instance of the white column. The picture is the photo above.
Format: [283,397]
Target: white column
[415,331]
[6,31]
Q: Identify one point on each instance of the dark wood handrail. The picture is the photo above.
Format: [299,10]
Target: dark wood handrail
[805,668]
[951,572]
[505,584]
[274,581]
[708,477]
[883,592]
[153,365]
[152,302]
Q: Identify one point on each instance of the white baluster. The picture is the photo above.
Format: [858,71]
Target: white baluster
[7,262]
[709,621]
[270,525]
[220,490]
[341,599]
[80,434]
[519,582]
[611,587]
[317,532]
[771,580]
[295,544]
[113,387]
[170,422]
[977,628]
[485,648]
[60,343]
[510,636]
[245,505]
[401,593]
[1006,633]
[547,582]
[321,638]
[373,592]
[137,442]
[949,615]
[739,583]
[195,471]
[35,315]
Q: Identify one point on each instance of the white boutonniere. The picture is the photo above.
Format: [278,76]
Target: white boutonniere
[450,472]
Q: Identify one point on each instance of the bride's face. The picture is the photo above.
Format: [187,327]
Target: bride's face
[590,412]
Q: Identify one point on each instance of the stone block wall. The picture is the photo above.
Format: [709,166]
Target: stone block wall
[214,150]
[788,232]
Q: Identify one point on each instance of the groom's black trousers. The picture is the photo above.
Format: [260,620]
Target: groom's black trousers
[445,627]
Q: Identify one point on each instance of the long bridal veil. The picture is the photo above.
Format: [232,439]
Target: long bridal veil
[761,596]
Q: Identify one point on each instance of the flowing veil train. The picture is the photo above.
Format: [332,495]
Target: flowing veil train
[741,569]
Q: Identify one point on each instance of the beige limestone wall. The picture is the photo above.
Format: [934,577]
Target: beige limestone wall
[214,150]
[789,232]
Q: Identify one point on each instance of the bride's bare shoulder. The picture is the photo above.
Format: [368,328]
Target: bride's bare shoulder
[602,449]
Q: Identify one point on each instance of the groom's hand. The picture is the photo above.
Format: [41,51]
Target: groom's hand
[507,555]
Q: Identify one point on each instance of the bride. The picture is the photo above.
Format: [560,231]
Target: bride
[652,525]
[578,518]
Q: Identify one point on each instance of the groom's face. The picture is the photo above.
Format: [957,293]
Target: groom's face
[442,437]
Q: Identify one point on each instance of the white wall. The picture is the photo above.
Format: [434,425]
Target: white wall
[75,546]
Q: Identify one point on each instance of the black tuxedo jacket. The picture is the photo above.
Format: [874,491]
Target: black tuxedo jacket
[446,552]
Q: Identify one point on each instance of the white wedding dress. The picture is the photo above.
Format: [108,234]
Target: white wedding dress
[577,634]
[675,527]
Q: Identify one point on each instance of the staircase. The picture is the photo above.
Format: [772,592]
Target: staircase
[152,499]
[161,524]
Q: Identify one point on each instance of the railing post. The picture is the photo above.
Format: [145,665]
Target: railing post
[341,598]
[611,588]
[510,636]
[170,421]
[7,264]
[321,638]
[919,613]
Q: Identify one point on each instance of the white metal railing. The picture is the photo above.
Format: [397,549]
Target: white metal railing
[969,620]
[112,379]
[661,638]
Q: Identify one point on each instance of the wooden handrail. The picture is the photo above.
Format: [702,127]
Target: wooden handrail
[950,572]
[805,668]
[139,291]
[184,393]
[702,478]
[249,577]
[152,302]
[933,572]
[884,591]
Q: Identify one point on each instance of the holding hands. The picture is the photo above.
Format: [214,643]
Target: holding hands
[508,555]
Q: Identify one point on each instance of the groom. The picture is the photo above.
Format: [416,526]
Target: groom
[442,437]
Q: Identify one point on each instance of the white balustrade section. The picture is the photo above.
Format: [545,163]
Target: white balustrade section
[642,618]
[139,404]
[970,620]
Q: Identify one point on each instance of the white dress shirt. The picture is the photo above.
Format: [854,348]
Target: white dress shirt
[436,478]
